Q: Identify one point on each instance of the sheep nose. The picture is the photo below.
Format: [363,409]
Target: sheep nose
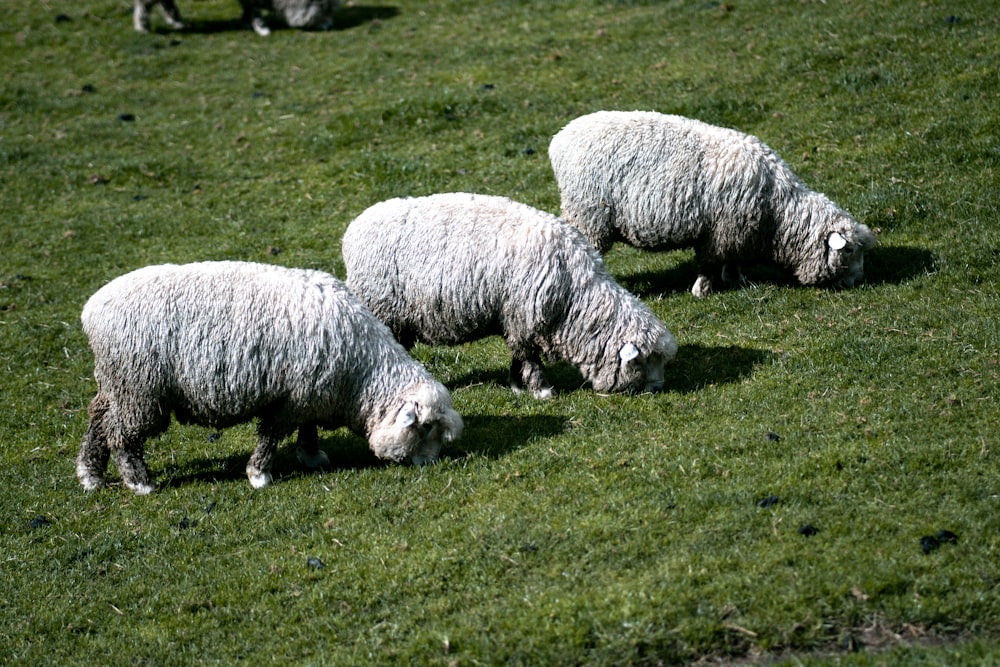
[654,386]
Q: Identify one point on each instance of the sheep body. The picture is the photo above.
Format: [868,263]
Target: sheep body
[662,182]
[450,268]
[219,343]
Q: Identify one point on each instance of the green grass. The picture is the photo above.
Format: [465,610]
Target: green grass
[589,529]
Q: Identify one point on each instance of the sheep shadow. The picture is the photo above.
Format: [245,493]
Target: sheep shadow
[694,367]
[483,435]
[494,436]
[563,377]
[680,279]
[344,18]
[346,451]
[675,280]
[699,366]
[894,265]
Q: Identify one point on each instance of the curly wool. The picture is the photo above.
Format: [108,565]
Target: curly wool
[663,182]
[451,268]
[219,343]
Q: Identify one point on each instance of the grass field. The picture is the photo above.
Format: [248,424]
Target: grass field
[584,530]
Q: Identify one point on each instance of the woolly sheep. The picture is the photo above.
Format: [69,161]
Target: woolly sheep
[450,268]
[309,14]
[663,182]
[219,343]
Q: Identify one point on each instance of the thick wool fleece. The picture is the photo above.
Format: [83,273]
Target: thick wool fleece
[219,343]
[663,182]
[456,267]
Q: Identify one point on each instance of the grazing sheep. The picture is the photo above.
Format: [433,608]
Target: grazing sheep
[663,182]
[219,343]
[140,15]
[456,267]
[309,14]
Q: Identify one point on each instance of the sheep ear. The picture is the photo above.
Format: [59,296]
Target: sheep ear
[836,241]
[628,353]
[407,416]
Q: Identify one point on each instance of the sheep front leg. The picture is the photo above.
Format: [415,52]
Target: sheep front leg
[92,462]
[259,465]
[528,373]
[307,450]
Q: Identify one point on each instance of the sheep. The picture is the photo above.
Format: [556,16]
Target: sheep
[308,14]
[662,182]
[219,343]
[450,268]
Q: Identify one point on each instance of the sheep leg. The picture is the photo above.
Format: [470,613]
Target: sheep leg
[92,462]
[140,16]
[526,372]
[269,434]
[252,17]
[732,277]
[131,464]
[307,450]
[171,14]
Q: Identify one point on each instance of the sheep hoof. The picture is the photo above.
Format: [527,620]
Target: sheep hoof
[90,482]
[544,393]
[702,287]
[260,480]
[260,27]
[312,461]
[141,489]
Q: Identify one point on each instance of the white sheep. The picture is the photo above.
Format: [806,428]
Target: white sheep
[307,14]
[456,267]
[219,343]
[662,182]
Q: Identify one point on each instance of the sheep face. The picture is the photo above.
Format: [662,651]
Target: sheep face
[633,370]
[842,245]
[416,427]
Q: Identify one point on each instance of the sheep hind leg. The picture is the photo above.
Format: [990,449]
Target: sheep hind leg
[732,276]
[528,373]
[307,449]
[132,466]
[171,14]
[92,461]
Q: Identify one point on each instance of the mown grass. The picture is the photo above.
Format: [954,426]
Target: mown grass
[588,529]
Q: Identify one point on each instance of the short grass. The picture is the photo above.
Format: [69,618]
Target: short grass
[589,529]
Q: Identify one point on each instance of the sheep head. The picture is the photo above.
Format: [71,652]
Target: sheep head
[636,366]
[416,425]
